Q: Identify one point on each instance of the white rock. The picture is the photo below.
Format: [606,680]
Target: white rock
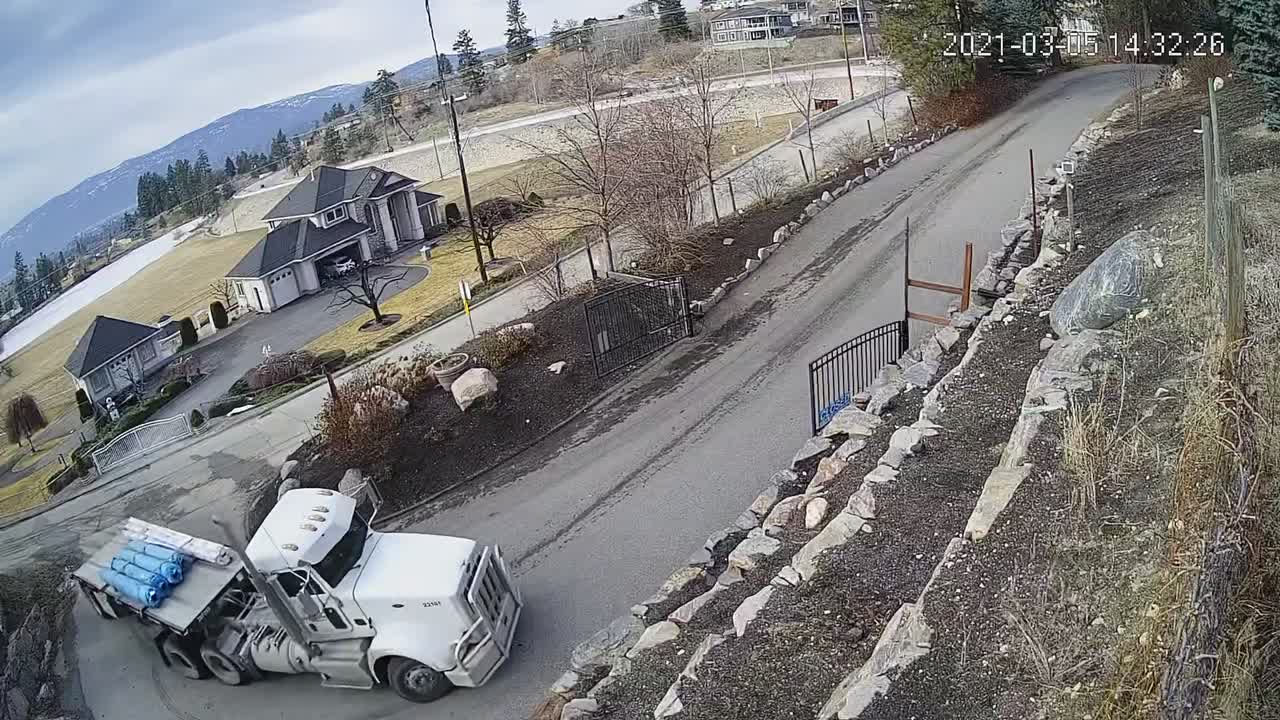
[685,612]
[828,469]
[727,241]
[781,514]
[473,386]
[580,709]
[751,264]
[862,503]
[827,198]
[755,546]
[764,252]
[288,469]
[656,634]
[557,367]
[852,421]
[286,486]
[679,580]
[837,532]
[781,234]
[787,577]
[670,703]
[750,609]
[850,447]
[907,439]
[814,511]
[352,483]
[881,474]
[812,447]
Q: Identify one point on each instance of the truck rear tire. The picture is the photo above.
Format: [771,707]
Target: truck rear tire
[222,667]
[416,682]
[182,657]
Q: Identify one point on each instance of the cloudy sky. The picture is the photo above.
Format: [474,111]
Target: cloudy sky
[86,84]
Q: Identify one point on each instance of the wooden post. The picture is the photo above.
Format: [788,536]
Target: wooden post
[1071,218]
[906,283]
[912,108]
[1035,220]
[804,166]
[966,284]
[870,135]
[733,201]
[1210,245]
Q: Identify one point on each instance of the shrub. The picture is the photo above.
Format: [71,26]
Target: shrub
[452,215]
[359,426]
[219,314]
[188,330]
[971,105]
[280,369]
[224,406]
[197,418]
[497,349]
[1200,70]
[82,402]
[174,388]
[330,359]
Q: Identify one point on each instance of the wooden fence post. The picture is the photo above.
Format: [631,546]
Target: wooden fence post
[733,201]
[804,166]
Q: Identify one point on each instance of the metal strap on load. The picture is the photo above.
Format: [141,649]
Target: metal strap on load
[206,550]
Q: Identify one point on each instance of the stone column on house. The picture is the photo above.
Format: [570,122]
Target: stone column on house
[415,216]
[388,227]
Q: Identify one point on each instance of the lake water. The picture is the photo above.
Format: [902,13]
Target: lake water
[97,285]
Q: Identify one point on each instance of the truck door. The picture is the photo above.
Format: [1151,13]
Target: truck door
[325,614]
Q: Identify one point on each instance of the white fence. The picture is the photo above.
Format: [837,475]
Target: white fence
[141,440]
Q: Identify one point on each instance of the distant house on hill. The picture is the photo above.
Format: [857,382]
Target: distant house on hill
[331,216]
[750,25]
[114,356]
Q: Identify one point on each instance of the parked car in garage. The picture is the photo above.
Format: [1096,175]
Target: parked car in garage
[339,266]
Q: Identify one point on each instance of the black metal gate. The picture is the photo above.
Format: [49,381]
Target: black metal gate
[846,370]
[633,322]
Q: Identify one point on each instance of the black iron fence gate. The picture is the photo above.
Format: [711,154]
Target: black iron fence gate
[633,322]
[844,371]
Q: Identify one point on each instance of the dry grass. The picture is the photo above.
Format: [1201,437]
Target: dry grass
[176,284]
[27,492]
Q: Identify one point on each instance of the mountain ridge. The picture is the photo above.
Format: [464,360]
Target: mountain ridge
[99,197]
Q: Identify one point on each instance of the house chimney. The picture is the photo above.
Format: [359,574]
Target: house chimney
[312,175]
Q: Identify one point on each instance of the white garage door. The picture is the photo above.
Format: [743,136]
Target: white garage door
[284,287]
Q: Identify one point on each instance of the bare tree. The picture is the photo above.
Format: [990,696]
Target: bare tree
[800,89]
[366,284]
[493,216]
[221,290]
[538,245]
[766,178]
[880,104]
[583,153]
[24,419]
[663,169]
[703,110]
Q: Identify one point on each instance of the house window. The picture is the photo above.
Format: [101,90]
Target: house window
[147,352]
[334,215]
[98,381]
[239,289]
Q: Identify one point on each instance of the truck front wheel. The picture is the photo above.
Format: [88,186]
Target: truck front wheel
[416,682]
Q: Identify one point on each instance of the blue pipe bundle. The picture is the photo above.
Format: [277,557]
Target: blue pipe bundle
[131,588]
[170,571]
[159,552]
[146,577]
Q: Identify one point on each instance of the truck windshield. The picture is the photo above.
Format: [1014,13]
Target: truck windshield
[345,554]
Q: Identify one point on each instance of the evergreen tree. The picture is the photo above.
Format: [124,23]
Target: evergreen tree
[279,146]
[380,94]
[21,281]
[229,169]
[444,68]
[351,108]
[519,39]
[297,157]
[915,34]
[1255,26]
[470,66]
[332,151]
[672,21]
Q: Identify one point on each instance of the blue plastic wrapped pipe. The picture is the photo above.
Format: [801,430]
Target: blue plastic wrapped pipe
[170,571]
[146,577]
[159,552]
[131,588]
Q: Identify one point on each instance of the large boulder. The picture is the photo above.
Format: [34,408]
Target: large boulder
[473,386]
[1108,290]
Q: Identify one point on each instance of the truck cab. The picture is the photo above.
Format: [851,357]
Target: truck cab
[448,604]
[316,590]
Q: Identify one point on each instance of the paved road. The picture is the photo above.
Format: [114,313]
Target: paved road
[640,481]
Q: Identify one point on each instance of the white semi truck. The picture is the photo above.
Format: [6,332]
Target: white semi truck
[317,591]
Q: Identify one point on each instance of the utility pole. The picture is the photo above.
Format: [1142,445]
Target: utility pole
[448,99]
[844,40]
[862,28]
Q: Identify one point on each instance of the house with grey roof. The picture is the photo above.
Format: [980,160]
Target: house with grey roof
[114,356]
[751,26]
[333,214]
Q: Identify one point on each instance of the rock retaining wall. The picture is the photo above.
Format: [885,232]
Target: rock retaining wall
[34,663]
[797,494]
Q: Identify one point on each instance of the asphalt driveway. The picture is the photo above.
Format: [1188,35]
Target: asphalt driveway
[228,358]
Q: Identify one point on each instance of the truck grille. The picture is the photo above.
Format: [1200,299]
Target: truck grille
[488,590]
